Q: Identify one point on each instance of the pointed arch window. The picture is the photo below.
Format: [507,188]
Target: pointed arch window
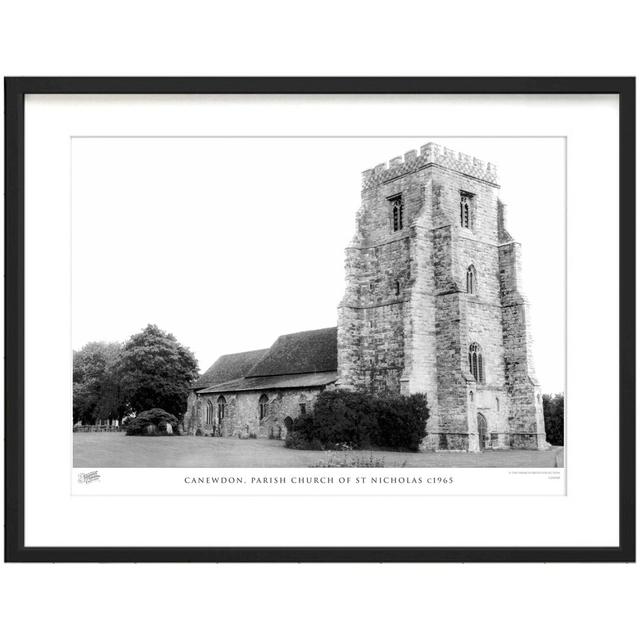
[263,405]
[471,279]
[222,405]
[396,212]
[209,413]
[476,362]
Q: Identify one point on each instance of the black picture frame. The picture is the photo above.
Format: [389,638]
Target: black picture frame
[15,91]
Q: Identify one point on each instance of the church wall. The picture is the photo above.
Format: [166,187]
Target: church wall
[420,357]
[478,317]
[242,412]
[494,405]
[371,326]
[458,322]
[526,421]
[484,326]
[456,428]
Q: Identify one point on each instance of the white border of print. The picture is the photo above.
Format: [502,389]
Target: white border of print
[56,518]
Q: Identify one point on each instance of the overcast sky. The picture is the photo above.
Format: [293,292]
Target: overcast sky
[229,242]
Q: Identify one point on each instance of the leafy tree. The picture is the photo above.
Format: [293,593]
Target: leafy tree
[553,410]
[96,393]
[155,370]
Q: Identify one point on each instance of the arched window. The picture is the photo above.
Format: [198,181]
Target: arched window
[471,396]
[476,364]
[465,209]
[471,279]
[482,431]
[397,287]
[264,406]
[222,403]
[396,212]
[302,403]
[497,404]
[209,412]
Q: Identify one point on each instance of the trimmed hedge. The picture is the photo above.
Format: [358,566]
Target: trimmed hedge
[157,419]
[354,420]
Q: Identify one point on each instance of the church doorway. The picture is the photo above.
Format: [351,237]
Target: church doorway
[482,431]
[288,423]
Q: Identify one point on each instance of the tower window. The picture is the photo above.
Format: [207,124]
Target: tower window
[263,404]
[471,279]
[476,363]
[396,212]
[466,200]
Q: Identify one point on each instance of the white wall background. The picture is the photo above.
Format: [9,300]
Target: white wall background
[287,38]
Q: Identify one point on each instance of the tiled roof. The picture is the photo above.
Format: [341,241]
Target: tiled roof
[305,352]
[275,382]
[229,367]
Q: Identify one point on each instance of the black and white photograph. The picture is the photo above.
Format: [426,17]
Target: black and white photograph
[366,309]
[318,301]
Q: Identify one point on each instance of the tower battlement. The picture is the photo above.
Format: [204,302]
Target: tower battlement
[430,154]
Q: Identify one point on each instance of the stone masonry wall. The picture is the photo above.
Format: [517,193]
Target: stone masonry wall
[242,412]
[382,347]
[526,421]
[463,317]
[371,317]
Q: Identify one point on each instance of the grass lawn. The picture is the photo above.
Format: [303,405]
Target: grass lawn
[117,450]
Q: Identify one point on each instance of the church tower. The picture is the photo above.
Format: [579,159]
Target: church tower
[433,302]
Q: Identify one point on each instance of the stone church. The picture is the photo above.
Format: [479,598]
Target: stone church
[433,304]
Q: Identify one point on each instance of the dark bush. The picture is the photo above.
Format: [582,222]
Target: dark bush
[354,420]
[402,421]
[152,423]
[553,409]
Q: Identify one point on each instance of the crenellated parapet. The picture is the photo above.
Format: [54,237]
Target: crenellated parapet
[430,154]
